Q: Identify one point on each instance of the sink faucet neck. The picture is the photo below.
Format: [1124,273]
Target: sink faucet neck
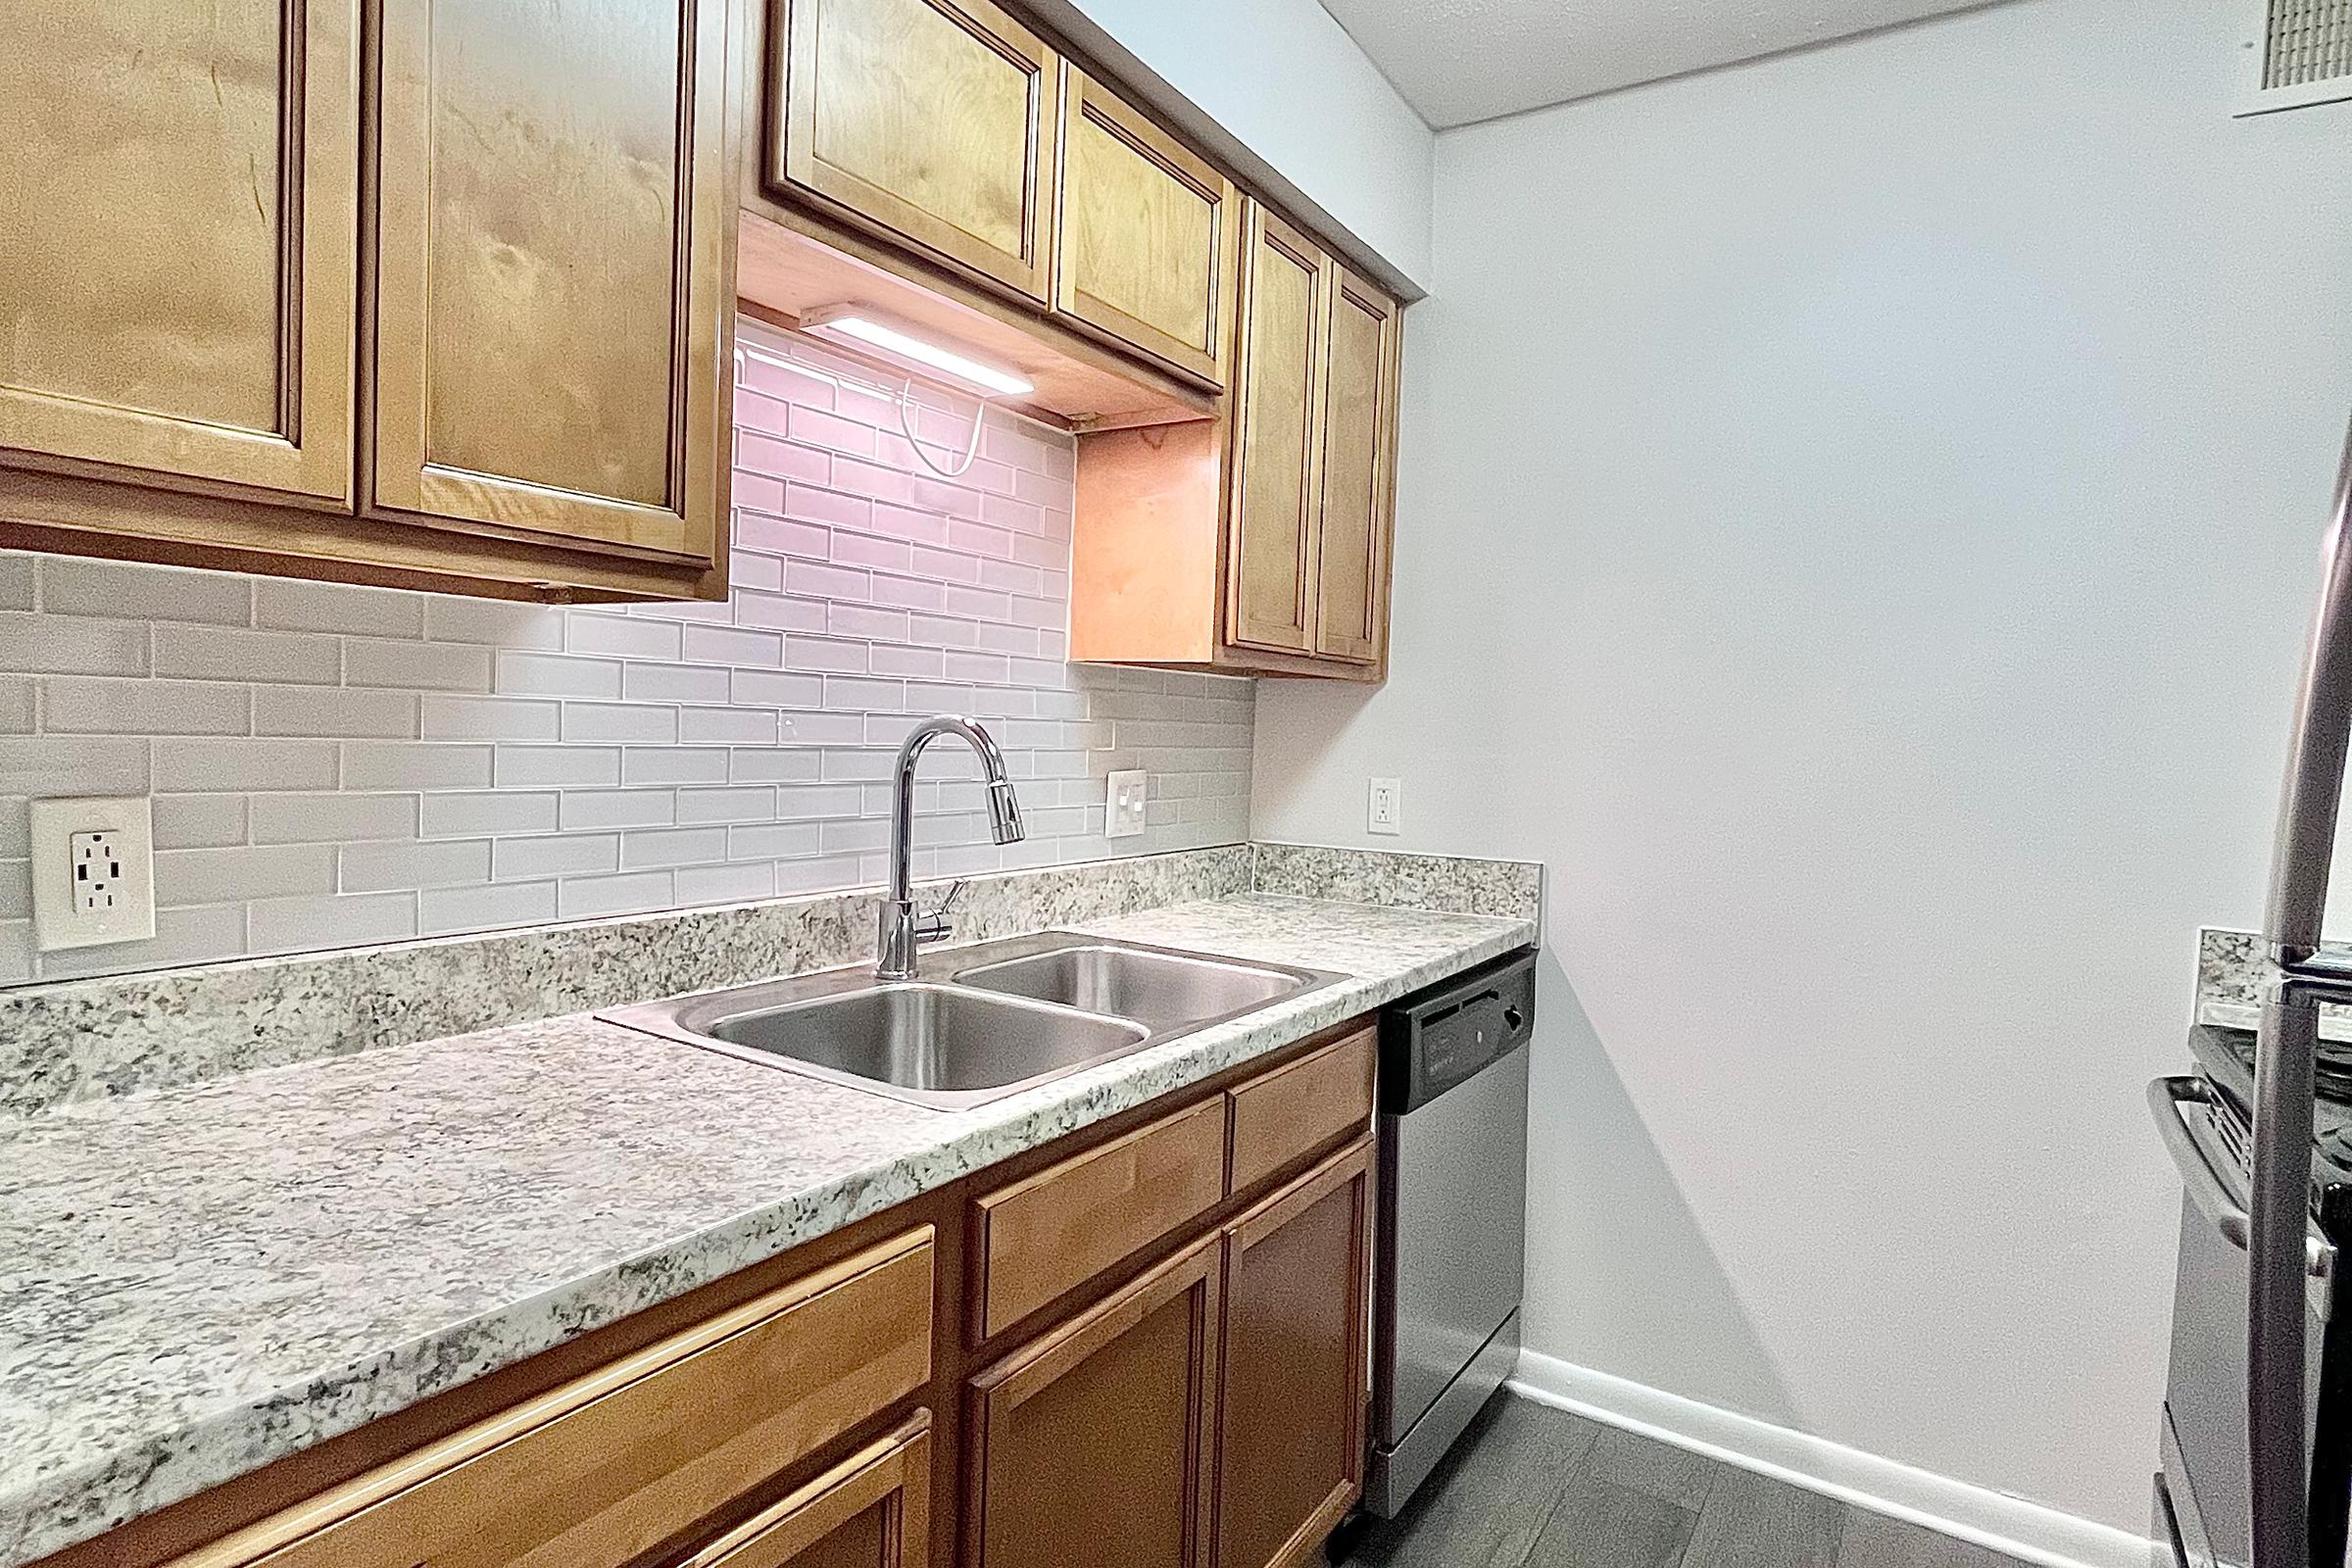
[903,929]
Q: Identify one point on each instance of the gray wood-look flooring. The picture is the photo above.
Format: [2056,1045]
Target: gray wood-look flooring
[1532,1486]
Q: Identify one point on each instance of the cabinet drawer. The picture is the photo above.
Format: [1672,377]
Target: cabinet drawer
[1298,1108]
[872,1510]
[593,1474]
[1065,1225]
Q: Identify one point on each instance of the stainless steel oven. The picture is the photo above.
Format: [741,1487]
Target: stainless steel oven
[2204,1501]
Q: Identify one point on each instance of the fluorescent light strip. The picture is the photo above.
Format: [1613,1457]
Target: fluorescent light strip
[890,340]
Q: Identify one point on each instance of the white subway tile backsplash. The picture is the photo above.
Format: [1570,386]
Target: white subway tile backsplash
[226,876]
[199,821]
[583,898]
[220,653]
[113,705]
[336,819]
[492,718]
[465,814]
[416,666]
[338,920]
[336,710]
[333,607]
[390,867]
[530,675]
[526,766]
[262,763]
[485,907]
[425,764]
[576,855]
[418,764]
[121,589]
[60,645]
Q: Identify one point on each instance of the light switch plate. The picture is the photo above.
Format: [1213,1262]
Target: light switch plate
[1385,812]
[93,871]
[1124,799]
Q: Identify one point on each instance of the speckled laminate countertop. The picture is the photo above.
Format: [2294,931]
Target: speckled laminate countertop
[203,1279]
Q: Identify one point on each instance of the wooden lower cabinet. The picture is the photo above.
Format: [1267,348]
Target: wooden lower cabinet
[1091,1448]
[873,1510]
[1292,1409]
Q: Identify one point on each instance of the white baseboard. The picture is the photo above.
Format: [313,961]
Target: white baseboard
[2024,1530]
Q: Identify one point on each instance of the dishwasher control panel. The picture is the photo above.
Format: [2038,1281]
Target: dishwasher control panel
[1446,1035]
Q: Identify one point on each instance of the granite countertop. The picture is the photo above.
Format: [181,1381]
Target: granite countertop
[206,1278]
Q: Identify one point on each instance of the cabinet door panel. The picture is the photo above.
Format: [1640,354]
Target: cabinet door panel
[1146,233]
[933,119]
[1297,1271]
[872,1510]
[1270,549]
[1091,1448]
[554,269]
[1359,449]
[176,264]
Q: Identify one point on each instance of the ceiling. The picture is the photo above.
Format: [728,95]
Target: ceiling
[1458,60]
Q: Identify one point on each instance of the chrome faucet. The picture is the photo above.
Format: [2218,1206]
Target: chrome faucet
[903,928]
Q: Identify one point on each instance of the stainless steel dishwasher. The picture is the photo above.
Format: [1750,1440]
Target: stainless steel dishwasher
[1453,1240]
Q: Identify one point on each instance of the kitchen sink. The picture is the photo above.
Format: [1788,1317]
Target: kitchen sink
[930,1038]
[1158,989]
[1007,1016]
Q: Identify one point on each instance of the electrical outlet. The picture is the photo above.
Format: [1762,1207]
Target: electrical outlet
[93,873]
[1386,813]
[1123,803]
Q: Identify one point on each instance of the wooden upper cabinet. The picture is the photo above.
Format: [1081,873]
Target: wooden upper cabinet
[555,278]
[1092,1447]
[1298,1268]
[176,260]
[933,120]
[1147,234]
[1275,488]
[1359,416]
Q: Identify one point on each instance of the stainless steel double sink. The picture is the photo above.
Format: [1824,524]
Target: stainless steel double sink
[1004,1017]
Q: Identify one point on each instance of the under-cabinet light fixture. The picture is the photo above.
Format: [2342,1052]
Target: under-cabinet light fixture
[871,329]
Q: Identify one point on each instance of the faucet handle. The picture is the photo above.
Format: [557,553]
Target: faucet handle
[937,925]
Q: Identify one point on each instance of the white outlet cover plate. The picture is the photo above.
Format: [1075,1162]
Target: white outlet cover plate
[128,823]
[1125,797]
[1385,810]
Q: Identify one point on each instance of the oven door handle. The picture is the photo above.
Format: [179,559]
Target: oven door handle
[2207,1188]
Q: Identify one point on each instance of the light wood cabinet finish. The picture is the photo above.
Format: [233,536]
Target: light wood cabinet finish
[1298,1268]
[1261,546]
[599,1471]
[872,1510]
[1148,234]
[177,257]
[1274,499]
[1358,479]
[934,121]
[1052,1232]
[553,269]
[1294,1110]
[1091,1448]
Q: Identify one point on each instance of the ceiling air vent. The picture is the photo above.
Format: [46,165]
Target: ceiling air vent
[2301,55]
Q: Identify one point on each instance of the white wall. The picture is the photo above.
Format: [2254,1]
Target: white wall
[1858,520]
[1285,80]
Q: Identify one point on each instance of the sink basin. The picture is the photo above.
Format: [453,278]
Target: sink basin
[1009,1015]
[1158,989]
[931,1039]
